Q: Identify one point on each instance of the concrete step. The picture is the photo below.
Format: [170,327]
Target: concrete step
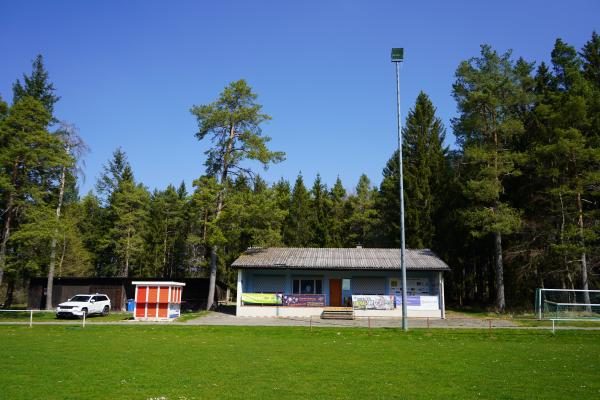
[337,314]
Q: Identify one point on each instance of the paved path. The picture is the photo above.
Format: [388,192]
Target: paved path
[227,319]
[220,318]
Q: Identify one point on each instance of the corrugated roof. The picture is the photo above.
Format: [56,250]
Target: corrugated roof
[344,259]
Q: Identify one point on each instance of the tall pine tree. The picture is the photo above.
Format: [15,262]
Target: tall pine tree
[488,92]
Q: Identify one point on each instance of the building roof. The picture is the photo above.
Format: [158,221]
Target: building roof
[157,283]
[338,258]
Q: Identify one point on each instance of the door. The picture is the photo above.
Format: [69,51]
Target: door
[335,292]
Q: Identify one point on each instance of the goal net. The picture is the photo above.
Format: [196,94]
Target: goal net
[567,303]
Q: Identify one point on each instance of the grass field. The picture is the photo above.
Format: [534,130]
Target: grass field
[194,362]
[521,319]
[45,316]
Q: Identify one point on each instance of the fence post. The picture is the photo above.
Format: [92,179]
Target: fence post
[553,326]
[84,313]
[30,318]
[427,322]
[311,323]
[490,324]
[369,320]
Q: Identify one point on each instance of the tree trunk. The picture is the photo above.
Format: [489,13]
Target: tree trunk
[213,278]
[213,250]
[213,264]
[584,271]
[125,272]
[164,258]
[10,290]
[6,229]
[500,301]
[50,282]
[5,235]
[62,255]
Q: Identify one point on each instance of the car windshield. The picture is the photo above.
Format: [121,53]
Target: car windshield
[80,298]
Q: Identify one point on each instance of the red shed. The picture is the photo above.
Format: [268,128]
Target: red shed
[157,301]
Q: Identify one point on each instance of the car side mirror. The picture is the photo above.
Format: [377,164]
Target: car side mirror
[92,301]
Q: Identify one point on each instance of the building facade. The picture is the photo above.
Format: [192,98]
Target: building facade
[302,282]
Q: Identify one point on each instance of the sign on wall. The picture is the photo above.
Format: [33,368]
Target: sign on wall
[304,300]
[261,298]
[419,302]
[372,302]
[414,301]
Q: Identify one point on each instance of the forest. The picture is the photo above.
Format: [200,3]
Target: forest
[511,207]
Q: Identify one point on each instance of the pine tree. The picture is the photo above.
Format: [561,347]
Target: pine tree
[233,124]
[73,146]
[163,231]
[37,86]
[30,157]
[204,231]
[387,204]
[337,215]
[129,206]
[112,175]
[488,93]
[571,159]
[297,230]
[424,171]
[362,214]
[319,224]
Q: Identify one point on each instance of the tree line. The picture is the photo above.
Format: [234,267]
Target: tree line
[512,207]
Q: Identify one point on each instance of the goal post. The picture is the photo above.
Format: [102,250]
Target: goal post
[567,303]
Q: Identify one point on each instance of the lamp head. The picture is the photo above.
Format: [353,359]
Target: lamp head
[398,54]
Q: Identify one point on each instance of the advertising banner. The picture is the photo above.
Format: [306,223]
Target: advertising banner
[419,302]
[372,302]
[304,300]
[430,303]
[411,301]
[261,298]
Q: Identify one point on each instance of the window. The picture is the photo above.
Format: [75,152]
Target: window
[308,286]
[80,298]
[268,283]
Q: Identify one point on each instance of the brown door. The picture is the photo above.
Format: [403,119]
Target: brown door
[335,292]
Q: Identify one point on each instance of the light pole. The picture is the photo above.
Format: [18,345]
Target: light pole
[397,58]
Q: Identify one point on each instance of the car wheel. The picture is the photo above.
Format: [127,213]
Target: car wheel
[105,311]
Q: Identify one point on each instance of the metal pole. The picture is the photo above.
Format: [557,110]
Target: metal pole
[402,245]
[540,303]
[30,318]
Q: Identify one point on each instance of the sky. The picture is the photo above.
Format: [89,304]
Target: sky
[128,72]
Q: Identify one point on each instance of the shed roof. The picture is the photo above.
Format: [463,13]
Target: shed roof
[338,258]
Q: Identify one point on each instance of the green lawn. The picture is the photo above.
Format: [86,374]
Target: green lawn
[522,319]
[50,316]
[196,362]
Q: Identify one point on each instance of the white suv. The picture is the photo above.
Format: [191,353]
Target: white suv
[84,304]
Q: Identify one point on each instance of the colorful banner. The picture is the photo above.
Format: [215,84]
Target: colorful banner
[372,302]
[304,300]
[261,298]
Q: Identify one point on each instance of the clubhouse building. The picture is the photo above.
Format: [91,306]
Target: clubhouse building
[302,282]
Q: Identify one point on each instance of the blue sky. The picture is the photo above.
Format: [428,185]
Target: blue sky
[128,72]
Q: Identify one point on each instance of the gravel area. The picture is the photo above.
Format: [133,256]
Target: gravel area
[221,318]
